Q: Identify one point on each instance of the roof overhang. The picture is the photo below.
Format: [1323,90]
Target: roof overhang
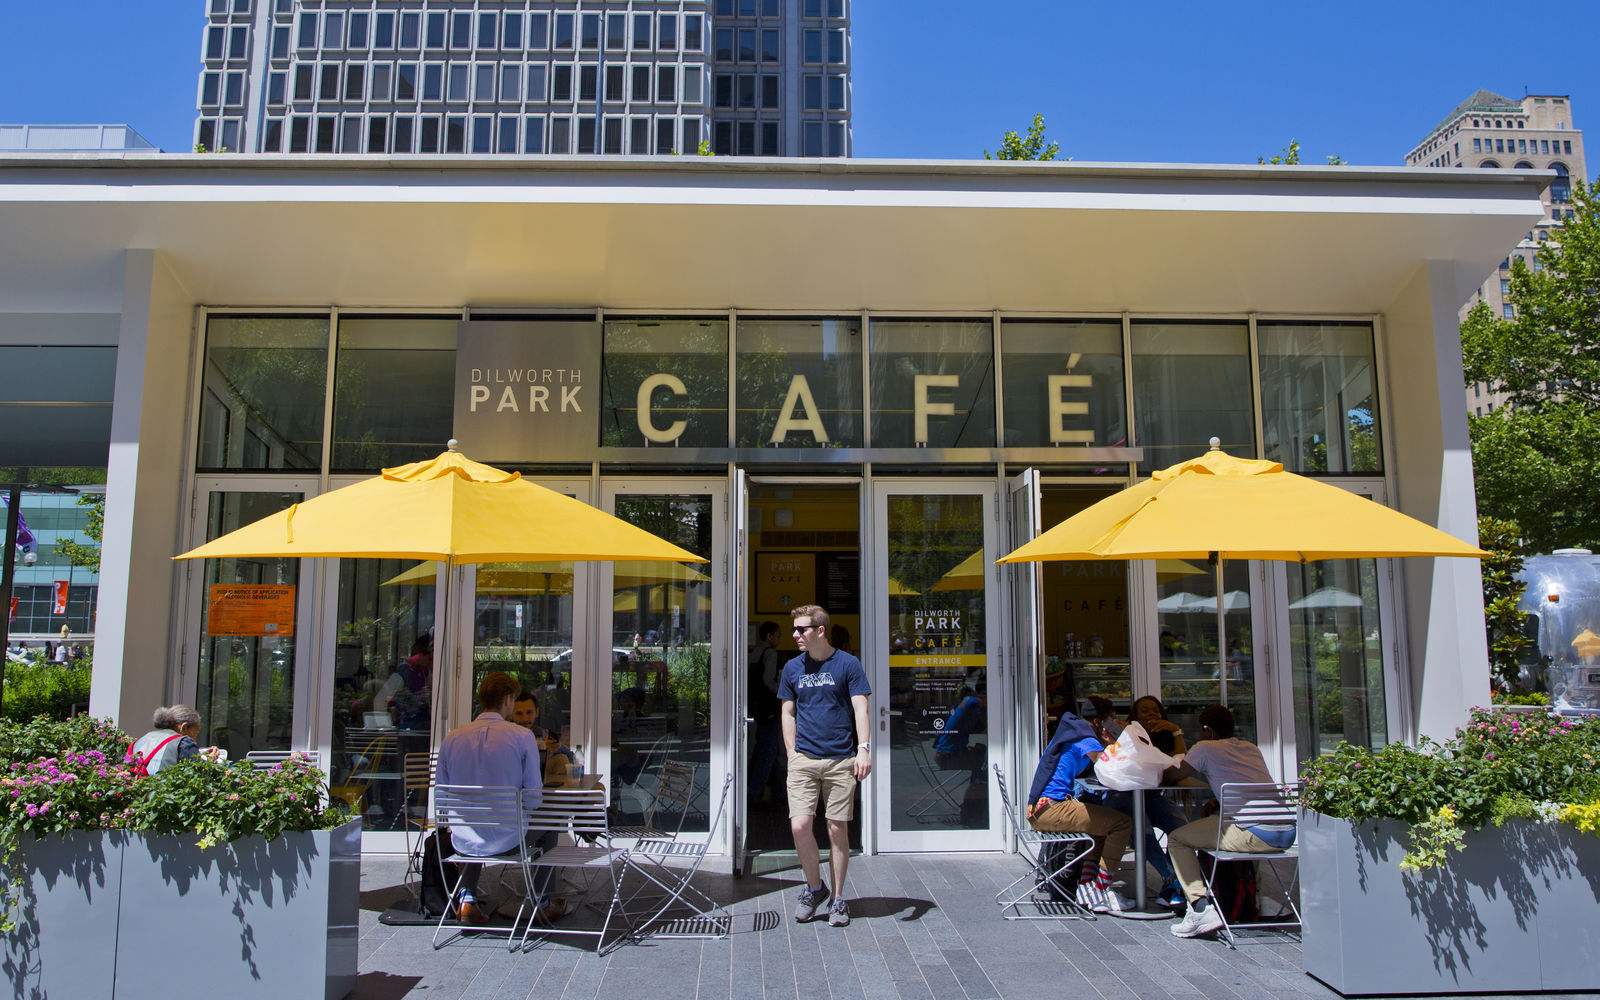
[712,233]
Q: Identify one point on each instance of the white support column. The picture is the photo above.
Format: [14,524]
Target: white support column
[134,659]
[1445,654]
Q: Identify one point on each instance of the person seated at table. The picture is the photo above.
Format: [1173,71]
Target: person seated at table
[1219,758]
[1165,735]
[172,737]
[953,752]
[1052,808]
[490,750]
[1160,812]
[525,713]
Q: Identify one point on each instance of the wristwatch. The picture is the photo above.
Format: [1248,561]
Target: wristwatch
[864,746]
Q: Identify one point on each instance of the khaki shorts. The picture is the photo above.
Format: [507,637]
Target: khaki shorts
[833,781]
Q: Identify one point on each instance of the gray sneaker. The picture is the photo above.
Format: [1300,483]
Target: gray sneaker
[839,916]
[811,900]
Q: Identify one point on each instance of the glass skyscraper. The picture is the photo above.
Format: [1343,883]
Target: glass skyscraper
[636,77]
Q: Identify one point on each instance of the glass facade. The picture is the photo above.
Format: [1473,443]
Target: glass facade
[1191,382]
[392,388]
[1063,383]
[799,383]
[665,380]
[1318,403]
[932,383]
[263,391]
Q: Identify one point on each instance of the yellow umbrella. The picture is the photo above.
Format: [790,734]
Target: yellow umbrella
[1219,507]
[531,577]
[898,589]
[451,510]
[967,575]
[1587,644]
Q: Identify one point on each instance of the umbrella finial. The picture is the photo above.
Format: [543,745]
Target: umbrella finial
[1216,444]
[454,445]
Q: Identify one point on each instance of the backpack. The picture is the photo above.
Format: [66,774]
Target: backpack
[434,898]
[1233,887]
[141,765]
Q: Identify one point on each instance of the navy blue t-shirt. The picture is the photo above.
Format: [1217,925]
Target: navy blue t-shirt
[825,725]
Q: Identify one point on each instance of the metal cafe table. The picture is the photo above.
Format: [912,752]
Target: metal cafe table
[1141,909]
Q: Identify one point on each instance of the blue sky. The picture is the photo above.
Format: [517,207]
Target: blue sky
[1154,82]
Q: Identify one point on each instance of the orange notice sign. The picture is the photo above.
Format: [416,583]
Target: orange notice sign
[250,609]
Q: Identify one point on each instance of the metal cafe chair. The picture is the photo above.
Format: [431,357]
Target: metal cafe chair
[674,788]
[418,770]
[487,809]
[1264,805]
[580,814]
[1042,873]
[670,864]
[266,760]
[938,801]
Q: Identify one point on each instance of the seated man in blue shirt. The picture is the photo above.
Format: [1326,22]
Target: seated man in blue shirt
[1052,807]
[490,750]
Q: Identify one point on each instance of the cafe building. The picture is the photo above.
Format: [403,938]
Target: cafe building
[849,383]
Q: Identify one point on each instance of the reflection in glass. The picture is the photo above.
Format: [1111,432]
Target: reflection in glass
[1063,384]
[1085,627]
[938,679]
[263,392]
[806,372]
[1319,406]
[1191,382]
[393,382]
[245,692]
[682,364]
[661,667]
[949,366]
[522,625]
[1191,677]
[382,686]
[1336,656]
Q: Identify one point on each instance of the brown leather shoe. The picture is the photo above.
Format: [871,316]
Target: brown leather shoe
[471,914]
[552,911]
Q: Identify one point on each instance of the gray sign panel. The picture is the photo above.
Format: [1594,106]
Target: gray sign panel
[528,391]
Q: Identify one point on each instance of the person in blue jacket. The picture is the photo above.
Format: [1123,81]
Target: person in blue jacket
[1052,807]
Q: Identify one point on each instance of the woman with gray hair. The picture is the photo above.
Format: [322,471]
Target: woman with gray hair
[173,738]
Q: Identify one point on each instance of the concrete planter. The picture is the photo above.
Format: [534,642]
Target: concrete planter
[125,916]
[1514,911]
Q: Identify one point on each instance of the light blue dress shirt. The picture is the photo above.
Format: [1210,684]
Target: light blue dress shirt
[490,751]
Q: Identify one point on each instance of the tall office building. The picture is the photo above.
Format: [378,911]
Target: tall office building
[1487,130]
[746,77]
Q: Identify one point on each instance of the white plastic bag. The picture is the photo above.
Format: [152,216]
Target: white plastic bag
[1132,762]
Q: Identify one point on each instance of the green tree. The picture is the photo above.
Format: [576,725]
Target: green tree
[1537,460]
[1501,592]
[1290,156]
[1029,147]
[87,556]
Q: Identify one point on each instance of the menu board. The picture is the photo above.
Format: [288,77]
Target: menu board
[265,609]
[839,582]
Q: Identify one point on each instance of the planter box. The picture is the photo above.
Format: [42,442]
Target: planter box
[1514,911]
[125,916]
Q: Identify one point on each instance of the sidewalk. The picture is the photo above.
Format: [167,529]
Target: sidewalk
[924,927]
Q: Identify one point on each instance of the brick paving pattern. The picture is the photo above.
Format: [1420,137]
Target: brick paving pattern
[924,927]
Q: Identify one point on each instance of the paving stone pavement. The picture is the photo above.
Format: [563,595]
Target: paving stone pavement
[923,927]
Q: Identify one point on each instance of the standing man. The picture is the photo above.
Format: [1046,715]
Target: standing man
[826,731]
[490,750]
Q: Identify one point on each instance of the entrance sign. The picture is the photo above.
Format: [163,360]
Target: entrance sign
[262,609]
[527,391]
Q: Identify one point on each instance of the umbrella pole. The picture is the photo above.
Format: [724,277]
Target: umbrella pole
[443,685]
[1222,632]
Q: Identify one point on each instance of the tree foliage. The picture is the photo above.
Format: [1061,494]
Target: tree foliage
[87,556]
[1290,157]
[1029,147]
[1501,592]
[1537,460]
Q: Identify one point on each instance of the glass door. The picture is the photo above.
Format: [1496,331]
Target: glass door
[929,660]
[251,654]
[1026,623]
[1196,671]
[655,706]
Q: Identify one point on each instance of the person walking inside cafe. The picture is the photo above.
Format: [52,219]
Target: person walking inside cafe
[1219,758]
[826,729]
[1053,808]
[491,750]
[762,693]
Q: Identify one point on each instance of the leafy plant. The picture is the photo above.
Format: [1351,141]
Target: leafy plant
[1496,767]
[74,775]
[42,687]
[1501,592]
[1432,841]
[1029,147]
